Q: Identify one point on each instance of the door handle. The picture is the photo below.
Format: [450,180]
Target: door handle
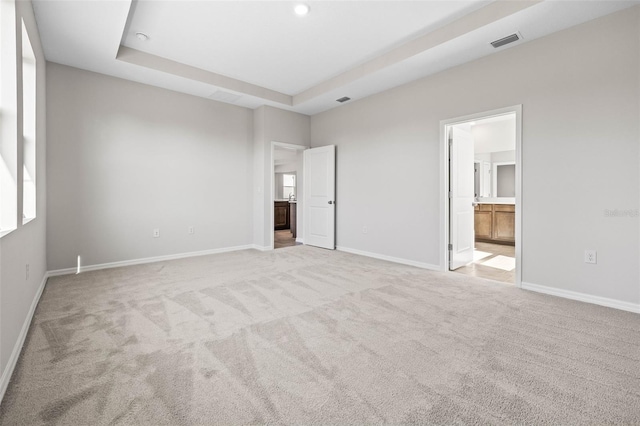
[331,202]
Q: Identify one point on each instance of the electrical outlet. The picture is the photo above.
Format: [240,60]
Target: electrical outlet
[26,272]
[156,232]
[365,230]
[192,230]
[590,256]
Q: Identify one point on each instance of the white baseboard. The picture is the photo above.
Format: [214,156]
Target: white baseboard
[390,258]
[299,240]
[87,268]
[17,348]
[261,248]
[583,297]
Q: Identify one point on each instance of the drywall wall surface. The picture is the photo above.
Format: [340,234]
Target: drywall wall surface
[285,168]
[579,92]
[27,244]
[261,188]
[494,136]
[125,158]
[503,156]
[273,125]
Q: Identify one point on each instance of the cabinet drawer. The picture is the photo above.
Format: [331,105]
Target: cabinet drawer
[484,207]
[504,208]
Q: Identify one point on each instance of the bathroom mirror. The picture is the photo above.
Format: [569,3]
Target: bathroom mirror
[504,179]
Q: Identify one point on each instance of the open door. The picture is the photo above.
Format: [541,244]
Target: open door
[461,198]
[319,196]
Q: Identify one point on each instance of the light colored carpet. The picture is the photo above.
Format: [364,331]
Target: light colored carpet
[308,336]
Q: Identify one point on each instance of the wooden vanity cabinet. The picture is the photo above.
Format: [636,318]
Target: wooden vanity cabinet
[504,223]
[483,221]
[293,207]
[495,223]
[281,215]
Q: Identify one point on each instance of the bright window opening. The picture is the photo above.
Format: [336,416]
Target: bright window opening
[289,186]
[8,120]
[28,128]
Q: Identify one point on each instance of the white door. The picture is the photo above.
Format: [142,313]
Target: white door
[461,202]
[319,196]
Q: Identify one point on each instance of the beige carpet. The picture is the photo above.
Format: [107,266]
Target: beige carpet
[308,336]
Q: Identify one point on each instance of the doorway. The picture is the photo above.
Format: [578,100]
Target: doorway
[286,189]
[482,194]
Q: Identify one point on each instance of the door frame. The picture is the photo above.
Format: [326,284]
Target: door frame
[299,203]
[444,188]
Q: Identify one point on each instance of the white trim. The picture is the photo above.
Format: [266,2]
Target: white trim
[152,259]
[260,248]
[272,180]
[583,297]
[444,188]
[17,348]
[299,240]
[389,258]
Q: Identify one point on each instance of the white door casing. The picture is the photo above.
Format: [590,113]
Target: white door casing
[319,196]
[461,202]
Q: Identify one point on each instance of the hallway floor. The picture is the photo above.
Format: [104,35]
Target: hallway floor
[283,238]
[492,261]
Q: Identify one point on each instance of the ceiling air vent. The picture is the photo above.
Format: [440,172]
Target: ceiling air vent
[343,99]
[506,40]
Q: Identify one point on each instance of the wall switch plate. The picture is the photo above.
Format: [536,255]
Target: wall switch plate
[156,232]
[192,230]
[590,256]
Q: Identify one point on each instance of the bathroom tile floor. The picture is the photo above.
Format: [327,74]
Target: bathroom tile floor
[492,261]
[283,238]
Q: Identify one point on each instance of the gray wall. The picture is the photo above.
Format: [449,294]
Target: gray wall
[125,158]
[272,125]
[579,89]
[27,244]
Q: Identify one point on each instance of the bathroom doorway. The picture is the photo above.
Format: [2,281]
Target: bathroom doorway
[286,178]
[481,207]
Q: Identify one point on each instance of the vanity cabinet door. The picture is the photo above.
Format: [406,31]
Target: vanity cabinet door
[504,222]
[281,215]
[483,221]
[483,225]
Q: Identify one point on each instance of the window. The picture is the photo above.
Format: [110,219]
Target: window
[28,128]
[289,186]
[8,119]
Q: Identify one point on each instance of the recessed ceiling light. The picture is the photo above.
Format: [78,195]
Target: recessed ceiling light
[301,9]
[142,36]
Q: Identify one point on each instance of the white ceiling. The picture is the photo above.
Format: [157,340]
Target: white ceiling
[252,53]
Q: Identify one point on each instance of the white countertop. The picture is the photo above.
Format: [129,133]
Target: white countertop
[497,200]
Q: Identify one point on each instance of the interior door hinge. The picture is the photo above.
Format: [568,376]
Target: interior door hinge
[450,194]
[450,247]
